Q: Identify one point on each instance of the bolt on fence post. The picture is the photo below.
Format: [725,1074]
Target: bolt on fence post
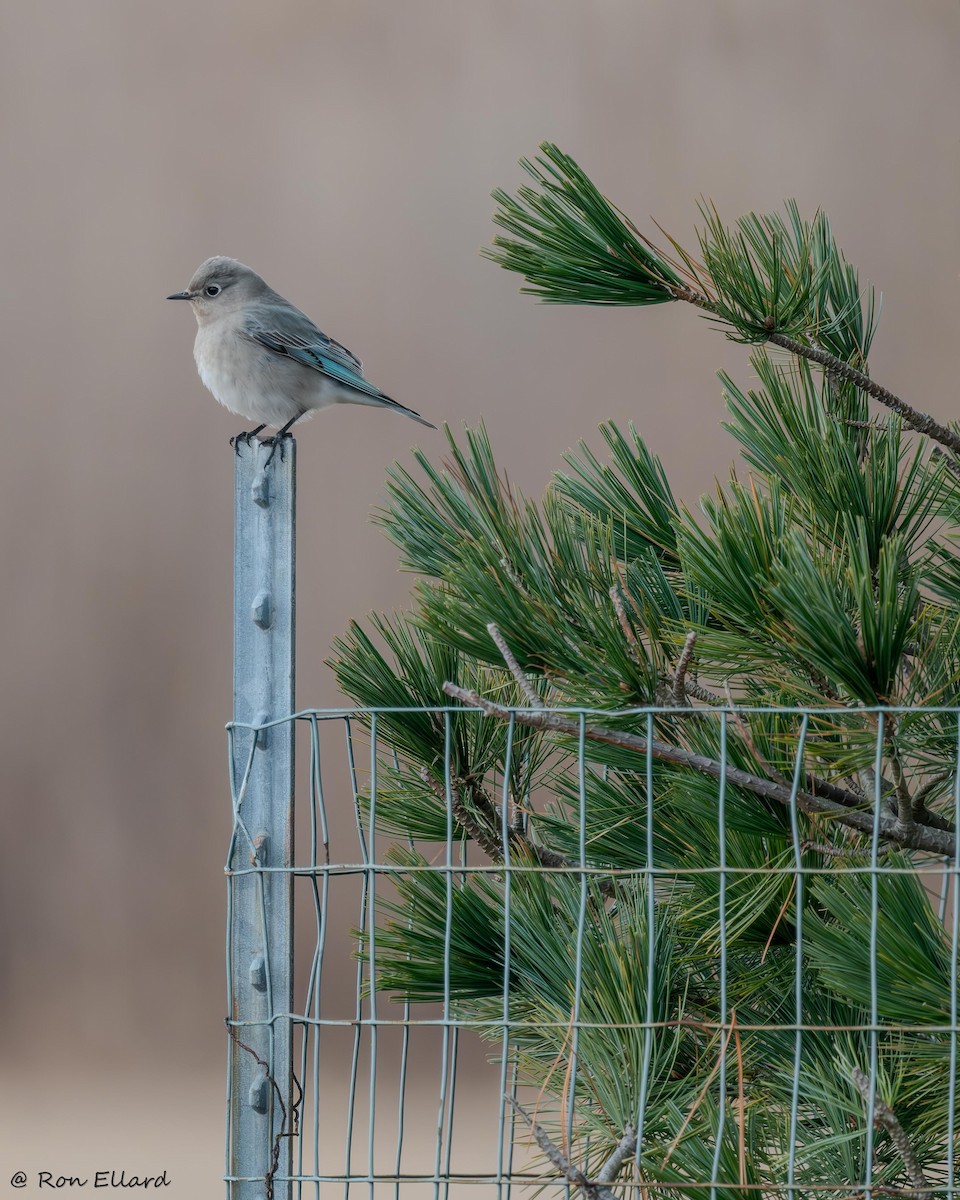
[260,902]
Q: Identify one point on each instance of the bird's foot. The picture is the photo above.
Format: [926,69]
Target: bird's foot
[275,443]
[245,438]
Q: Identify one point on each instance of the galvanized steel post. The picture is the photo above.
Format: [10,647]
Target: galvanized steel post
[260,885]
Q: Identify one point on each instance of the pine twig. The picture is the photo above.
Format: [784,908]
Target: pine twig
[514,667]
[885,1118]
[704,695]
[634,649]
[863,424]
[920,812]
[815,785]
[623,1150]
[625,627]
[904,799]
[594,1189]
[751,744]
[829,851]
[485,827]
[950,463]
[683,665]
[485,832]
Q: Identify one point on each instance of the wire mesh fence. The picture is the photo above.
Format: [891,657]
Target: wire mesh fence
[604,973]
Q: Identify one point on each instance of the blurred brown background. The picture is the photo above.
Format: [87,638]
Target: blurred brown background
[345,149]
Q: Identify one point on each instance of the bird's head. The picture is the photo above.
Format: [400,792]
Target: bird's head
[219,286]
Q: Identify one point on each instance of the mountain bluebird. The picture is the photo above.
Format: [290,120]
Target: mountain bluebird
[266,360]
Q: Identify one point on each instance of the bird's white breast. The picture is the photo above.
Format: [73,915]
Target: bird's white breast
[255,382]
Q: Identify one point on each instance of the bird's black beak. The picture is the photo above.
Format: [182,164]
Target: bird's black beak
[179,296]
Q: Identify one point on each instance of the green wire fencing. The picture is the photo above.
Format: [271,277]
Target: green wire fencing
[708,953]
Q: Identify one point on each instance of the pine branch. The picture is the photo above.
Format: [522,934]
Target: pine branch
[919,421]
[574,247]
[916,837]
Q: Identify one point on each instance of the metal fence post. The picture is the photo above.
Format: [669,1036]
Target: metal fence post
[260,901]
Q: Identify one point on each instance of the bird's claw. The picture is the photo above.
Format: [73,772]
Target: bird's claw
[274,443]
[245,438]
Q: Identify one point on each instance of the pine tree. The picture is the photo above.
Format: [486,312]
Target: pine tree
[817,603]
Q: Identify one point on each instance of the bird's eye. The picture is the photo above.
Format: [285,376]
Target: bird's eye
[212,289]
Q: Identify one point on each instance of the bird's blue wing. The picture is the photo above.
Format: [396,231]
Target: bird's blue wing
[283,329]
[286,330]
